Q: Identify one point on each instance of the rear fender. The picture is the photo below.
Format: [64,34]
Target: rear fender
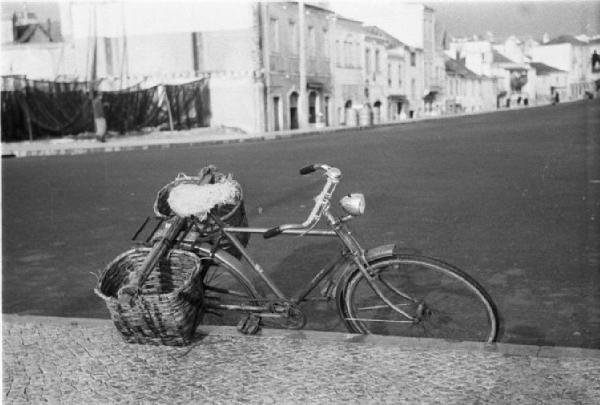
[205,250]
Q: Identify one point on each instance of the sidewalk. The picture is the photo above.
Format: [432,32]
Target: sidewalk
[161,140]
[183,138]
[70,360]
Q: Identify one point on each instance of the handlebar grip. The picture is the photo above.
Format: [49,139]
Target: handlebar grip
[308,169]
[272,232]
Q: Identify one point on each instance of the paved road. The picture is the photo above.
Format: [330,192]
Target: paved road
[510,197]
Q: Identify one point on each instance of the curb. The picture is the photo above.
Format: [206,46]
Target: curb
[152,144]
[506,349]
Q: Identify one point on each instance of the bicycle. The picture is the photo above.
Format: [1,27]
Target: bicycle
[377,291]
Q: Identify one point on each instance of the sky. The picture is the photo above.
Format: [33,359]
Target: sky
[502,18]
[459,18]
[519,18]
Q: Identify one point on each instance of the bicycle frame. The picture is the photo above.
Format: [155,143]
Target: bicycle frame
[353,253]
[229,233]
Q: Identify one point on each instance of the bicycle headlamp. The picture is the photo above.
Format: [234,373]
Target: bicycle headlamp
[353,204]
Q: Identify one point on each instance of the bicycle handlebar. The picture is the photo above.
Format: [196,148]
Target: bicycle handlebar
[333,175]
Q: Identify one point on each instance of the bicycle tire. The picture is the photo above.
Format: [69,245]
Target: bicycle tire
[448,303]
[225,285]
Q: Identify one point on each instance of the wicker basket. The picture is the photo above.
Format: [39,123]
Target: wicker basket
[170,305]
[231,214]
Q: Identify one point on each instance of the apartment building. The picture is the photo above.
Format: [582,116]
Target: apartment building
[549,81]
[297,52]
[349,89]
[571,55]
[467,91]
[376,76]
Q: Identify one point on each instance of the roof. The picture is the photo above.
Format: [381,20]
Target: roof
[318,7]
[393,41]
[565,39]
[497,57]
[458,68]
[543,69]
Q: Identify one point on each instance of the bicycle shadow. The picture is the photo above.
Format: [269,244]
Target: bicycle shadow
[301,266]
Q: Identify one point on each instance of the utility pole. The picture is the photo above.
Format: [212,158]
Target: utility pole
[302,99]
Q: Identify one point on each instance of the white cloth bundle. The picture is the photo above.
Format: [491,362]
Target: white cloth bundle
[194,199]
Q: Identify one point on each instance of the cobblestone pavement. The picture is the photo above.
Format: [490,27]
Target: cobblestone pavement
[62,360]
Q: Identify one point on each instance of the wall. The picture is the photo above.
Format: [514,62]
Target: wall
[414,73]
[235,102]
[545,82]
[558,55]
[227,51]
[38,61]
[114,19]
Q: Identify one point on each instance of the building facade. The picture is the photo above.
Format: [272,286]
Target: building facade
[571,55]
[297,51]
[349,94]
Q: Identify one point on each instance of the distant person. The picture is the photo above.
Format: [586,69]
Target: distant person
[525,101]
[556,98]
[99,118]
[595,62]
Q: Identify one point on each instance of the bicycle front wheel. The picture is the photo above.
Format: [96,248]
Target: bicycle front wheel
[437,301]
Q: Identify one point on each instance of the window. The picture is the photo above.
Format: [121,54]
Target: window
[312,41]
[413,59]
[377,65]
[399,75]
[368,60]
[347,55]
[274,34]
[326,43]
[413,88]
[338,53]
[293,37]
[389,74]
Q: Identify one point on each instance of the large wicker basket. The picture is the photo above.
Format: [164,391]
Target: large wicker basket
[170,304]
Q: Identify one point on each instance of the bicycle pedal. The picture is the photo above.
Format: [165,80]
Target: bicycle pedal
[249,324]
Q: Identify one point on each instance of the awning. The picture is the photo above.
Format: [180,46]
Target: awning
[397,97]
[429,97]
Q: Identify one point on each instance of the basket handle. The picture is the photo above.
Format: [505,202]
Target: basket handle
[129,291]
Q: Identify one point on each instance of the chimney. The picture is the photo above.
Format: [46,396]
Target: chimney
[545,38]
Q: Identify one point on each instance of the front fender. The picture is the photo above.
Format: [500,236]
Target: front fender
[346,265]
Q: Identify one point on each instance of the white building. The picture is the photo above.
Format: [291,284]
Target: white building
[515,80]
[549,81]
[571,55]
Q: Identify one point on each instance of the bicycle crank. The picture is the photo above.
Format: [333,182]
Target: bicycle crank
[291,316]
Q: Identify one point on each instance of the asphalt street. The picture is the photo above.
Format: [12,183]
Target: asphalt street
[512,198]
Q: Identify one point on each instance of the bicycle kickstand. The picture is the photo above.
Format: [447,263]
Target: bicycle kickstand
[249,324]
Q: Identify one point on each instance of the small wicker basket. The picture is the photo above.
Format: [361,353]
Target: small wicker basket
[231,214]
[170,304]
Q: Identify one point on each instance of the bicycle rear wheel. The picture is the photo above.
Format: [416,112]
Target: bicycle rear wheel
[225,286]
[443,301]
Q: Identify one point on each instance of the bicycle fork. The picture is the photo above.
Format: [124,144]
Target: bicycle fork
[358,256]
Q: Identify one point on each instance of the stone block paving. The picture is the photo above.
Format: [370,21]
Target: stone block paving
[72,361]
